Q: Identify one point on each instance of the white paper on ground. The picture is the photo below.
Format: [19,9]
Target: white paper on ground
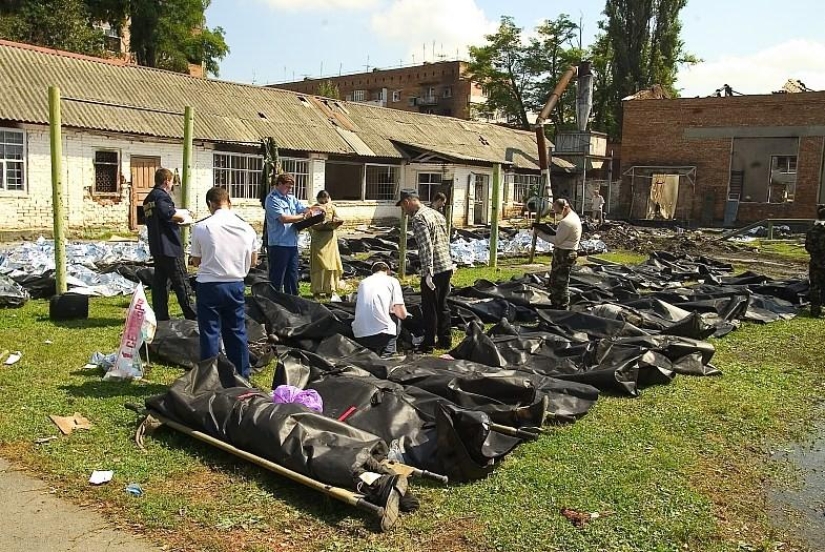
[14,357]
[99,477]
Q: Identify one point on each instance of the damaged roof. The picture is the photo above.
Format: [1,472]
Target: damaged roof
[104,96]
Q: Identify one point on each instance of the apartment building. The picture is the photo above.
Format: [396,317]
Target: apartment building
[439,88]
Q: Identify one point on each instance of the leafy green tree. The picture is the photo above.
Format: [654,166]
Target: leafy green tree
[555,49]
[644,39]
[502,66]
[328,89]
[169,34]
[60,24]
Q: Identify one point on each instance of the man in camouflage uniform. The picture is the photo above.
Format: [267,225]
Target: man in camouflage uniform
[815,246]
[565,252]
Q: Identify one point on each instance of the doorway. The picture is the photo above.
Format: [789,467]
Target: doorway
[481,186]
[142,171]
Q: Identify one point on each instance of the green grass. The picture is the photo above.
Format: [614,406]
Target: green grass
[682,467]
[790,250]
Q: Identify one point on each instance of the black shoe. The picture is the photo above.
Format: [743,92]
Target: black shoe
[387,492]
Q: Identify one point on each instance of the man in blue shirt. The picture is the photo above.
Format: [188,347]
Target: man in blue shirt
[282,210]
[163,231]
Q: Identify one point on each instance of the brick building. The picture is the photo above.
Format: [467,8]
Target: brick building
[441,88]
[729,160]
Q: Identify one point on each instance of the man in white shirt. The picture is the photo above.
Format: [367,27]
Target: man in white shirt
[223,249]
[565,252]
[598,206]
[379,309]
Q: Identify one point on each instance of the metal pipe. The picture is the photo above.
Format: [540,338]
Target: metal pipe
[494,215]
[544,185]
[59,216]
[557,92]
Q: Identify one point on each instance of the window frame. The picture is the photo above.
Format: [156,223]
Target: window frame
[391,198]
[302,179]
[432,187]
[118,172]
[23,162]
[521,183]
[396,96]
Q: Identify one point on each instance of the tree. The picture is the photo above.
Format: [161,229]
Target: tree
[556,47]
[644,39]
[60,24]
[520,75]
[503,68]
[328,89]
[168,34]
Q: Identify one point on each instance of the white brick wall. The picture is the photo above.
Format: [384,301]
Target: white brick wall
[32,210]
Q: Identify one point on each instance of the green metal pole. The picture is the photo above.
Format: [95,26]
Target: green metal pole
[57,191]
[186,179]
[402,248]
[448,211]
[494,216]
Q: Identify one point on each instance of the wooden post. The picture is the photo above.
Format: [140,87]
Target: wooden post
[57,191]
[448,209]
[402,247]
[544,165]
[494,215]
[186,178]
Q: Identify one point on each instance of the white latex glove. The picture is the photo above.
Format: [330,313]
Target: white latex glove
[428,281]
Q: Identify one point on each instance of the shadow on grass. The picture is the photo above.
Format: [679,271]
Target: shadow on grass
[109,389]
[312,502]
[85,323]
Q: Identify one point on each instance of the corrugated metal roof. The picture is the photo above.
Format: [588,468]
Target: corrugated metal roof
[150,102]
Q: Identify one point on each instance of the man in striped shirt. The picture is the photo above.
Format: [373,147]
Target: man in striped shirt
[437,267]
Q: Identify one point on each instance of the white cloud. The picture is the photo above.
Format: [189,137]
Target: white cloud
[758,73]
[306,5]
[451,24]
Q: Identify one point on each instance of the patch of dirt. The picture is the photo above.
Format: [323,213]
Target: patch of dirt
[457,535]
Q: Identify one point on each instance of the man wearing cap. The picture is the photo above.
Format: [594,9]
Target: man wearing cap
[282,210]
[565,252]
[379,309]
[437,267]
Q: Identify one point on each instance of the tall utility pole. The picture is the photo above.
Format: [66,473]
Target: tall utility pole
[494,215]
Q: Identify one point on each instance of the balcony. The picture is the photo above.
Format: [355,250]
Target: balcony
[427,100]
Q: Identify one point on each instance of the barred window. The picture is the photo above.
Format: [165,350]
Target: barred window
[522,183]
[241,173]
[12,161]
[107,172]
[429,184]
[382,182]
[299,169]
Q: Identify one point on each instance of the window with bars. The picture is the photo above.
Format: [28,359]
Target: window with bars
[12,160]
[107,172]
[429,184]
[382,182]
[522,183]
[241,173]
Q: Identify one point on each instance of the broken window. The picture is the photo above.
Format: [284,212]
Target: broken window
[381,182]
[429,184]
[767,167]
[12,160]
[107,172]
[343,180]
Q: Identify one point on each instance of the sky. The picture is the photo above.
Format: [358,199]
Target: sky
[753,45]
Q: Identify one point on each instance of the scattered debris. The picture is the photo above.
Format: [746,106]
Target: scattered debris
[45,440]
[99,477]
[580,519]
[67,424]
[13,358]
[134,489]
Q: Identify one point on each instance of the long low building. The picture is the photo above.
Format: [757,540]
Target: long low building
[120,123]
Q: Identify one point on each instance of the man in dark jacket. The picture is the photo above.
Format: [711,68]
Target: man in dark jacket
[815,246]
[162,225]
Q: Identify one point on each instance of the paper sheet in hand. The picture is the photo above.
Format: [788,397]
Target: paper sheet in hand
[187,216]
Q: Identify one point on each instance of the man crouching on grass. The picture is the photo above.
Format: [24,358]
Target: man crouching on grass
[223,249]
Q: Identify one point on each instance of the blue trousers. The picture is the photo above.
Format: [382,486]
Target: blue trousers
[221,315]
[283,268]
